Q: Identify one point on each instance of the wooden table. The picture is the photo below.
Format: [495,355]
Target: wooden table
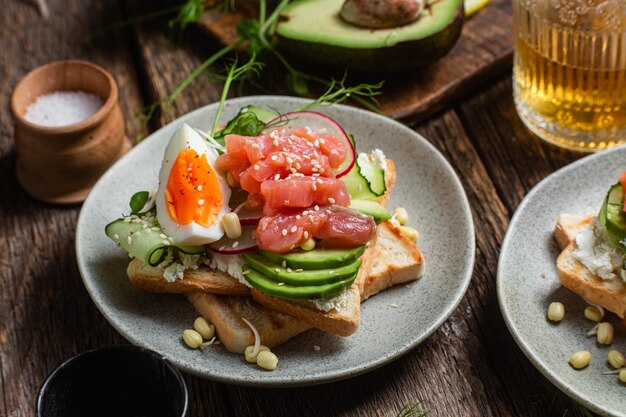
[470,367]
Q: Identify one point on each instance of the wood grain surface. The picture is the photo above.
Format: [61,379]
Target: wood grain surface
[469,367]
[483,51]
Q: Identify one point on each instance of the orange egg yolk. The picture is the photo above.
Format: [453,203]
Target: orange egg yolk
[193,192]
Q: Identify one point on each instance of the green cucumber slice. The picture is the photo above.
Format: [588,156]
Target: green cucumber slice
[318,258]
[612,218]
[145,244]
[310,292]
[373,173]
[302,278]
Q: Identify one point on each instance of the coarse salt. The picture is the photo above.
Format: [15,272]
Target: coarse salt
[62,108]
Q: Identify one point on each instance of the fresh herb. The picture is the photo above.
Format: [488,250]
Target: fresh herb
[412,409]
[337,92]
[246,123]
[235,72]
[138,201]
[190,12]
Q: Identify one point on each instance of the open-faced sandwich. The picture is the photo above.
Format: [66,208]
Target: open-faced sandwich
[592,264]
[271,225]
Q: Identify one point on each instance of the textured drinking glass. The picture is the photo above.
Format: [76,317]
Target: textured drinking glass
[569,75]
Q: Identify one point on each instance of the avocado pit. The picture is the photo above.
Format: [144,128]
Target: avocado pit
[381,14]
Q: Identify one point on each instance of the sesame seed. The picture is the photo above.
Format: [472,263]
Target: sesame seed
[277,269]
[235,244]
[314,187]
[189,169]
[284,264]
[222,247]
[321,170]
[289,270]
[306,234]
[276,177]
[165,242]
[284,232]
[200,187]
[256,167]
[286,202]
[322,141]
[162,236]
[246,272]
[116,236]
[311,218]
[170,239]
[331,200]
[305,212]
[264,226]
[201,202]
[316,348]
[314,169]
[317,207]
[319,181]
[299,270]
[275,142]
[274,157]
[129,240]
[394,305]
[280,284]
[316,143]
[289,160]
[293,170]
[293,229]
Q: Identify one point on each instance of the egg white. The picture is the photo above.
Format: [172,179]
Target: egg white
[192,234]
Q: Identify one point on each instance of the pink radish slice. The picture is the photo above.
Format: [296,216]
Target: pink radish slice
[228,246]
[250,217]
[316,122]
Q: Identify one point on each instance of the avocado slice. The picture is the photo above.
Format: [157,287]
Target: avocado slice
[313,31]
[302,278]
[371,208]
[318,258]
[612,218]
[291,292]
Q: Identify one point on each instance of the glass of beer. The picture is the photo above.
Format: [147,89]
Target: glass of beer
[569,75]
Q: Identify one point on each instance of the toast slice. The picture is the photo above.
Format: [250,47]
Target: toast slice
[568,226]
[225,313]
[147,278]
[610,294]
[396,260]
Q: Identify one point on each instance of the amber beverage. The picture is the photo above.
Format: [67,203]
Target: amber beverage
[569,75]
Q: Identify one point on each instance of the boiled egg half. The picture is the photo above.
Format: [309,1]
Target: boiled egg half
[193,196]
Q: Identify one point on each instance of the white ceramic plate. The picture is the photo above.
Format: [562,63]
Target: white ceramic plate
[528,282]
[427,186]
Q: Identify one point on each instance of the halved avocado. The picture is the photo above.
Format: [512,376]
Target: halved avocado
[313,31]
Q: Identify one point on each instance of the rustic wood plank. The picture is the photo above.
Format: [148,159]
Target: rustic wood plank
[46,315]
[484,50]
[506,145]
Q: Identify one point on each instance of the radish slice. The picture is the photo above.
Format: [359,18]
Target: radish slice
[244,243]
[316,122]
[250,217]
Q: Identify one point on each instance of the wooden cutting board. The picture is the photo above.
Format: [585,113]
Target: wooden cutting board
[482,53]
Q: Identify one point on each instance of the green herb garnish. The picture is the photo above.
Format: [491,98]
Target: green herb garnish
[138,201]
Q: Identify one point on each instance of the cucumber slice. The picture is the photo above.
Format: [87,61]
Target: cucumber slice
[303,277]
[373,173]
[145,244]
[612,218]
[310,292]
[366,179]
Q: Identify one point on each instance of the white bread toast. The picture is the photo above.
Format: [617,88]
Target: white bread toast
[147,278]
[396,260]
[610,294]
[393,264]
[225,313]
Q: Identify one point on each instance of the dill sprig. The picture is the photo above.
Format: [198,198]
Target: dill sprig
[412,409]
[234,73]
[337,92]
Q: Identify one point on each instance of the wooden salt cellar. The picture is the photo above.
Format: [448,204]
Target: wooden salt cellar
[61,164]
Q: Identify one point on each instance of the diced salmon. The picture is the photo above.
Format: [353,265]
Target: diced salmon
[302,191]
[335,226]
